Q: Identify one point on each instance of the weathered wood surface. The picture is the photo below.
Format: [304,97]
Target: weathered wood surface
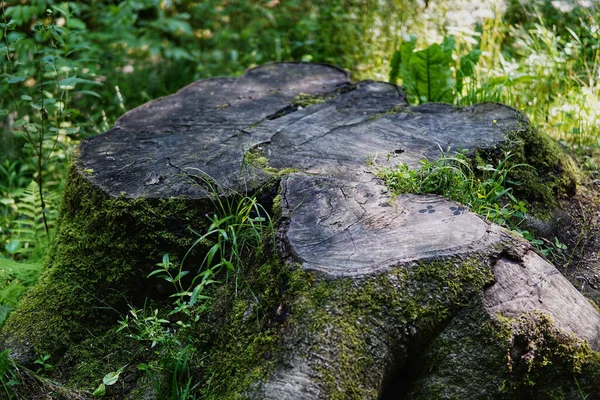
[207,128]
[351,229]
[385,275]
[533,284]
[200,130]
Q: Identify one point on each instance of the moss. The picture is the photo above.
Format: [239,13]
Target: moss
[85,364]
[402,308]
[480,357]
[102,252]
[255,158]
[552,173]
[544,363]
[393,110]
[243,345]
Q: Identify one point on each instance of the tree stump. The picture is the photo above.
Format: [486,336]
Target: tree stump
[369,295]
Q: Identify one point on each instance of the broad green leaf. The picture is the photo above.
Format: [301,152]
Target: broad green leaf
[4,112]
[400,67]
[448,46]
[395,66]
[26,98]
[74,23]
[112,377]
[19,123]
[100,391]
[17,78]
[432,74]
[467,67]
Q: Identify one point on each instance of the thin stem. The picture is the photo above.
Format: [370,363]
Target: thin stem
[43,115]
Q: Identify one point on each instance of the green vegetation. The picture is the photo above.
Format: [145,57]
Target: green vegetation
[490,187]
[69,69]
[486,190]
[427,74]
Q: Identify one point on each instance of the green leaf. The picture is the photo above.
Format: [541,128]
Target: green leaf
[432,74]
[70,83]
[89,92]
[19,123]
[401,64]
[467,67]
[4,310]
[112,377]
[195,293]
[4,112]
[17,78]
[74,23]
[395,66]
[180,275]
[448,46]
[100,391]
[26,98]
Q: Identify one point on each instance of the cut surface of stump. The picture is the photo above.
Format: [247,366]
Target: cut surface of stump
[363,282]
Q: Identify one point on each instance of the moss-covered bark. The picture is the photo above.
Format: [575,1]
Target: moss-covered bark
[481,357]
[353,334]
[103,250]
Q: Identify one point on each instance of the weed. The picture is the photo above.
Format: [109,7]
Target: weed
[239,227]
[486,192]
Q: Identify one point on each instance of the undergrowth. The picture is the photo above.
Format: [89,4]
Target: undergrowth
[239,230]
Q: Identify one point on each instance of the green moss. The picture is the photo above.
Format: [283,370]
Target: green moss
[103,250]
[393,110]
[306,100]
[243,345]
[255,158]
[404,306]
[552,173]
[544,363]
[84,364]
[479,357]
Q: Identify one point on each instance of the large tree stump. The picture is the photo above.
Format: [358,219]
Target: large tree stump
[369,295]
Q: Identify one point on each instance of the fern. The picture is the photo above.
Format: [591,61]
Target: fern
[15,279]
[28,237]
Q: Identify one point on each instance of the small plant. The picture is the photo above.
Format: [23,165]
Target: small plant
[487,192]
[42,361]
[427,74]
[109,379]
[239,226]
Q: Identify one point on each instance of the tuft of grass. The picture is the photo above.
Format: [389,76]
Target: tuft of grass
[485,189]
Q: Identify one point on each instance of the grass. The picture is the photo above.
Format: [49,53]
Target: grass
[485,189]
